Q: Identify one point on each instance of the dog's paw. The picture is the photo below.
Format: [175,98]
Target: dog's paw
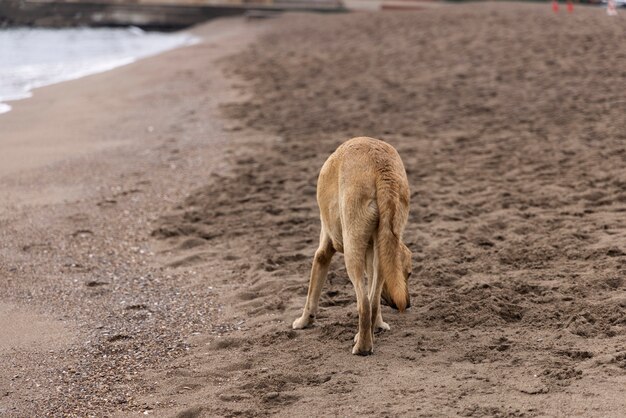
[360,349]
[302,322]
[382,326]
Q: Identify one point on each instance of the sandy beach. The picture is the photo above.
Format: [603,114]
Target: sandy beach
[158,221]
[86,167]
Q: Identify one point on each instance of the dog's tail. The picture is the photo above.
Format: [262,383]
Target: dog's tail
[389,244]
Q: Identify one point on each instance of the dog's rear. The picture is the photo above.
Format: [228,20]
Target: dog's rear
[363,196]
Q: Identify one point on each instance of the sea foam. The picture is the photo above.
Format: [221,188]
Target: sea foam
[31,58]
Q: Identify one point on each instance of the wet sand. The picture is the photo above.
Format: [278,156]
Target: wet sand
[180,261]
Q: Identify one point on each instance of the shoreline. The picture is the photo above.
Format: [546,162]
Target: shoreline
[21,138]
[96,66]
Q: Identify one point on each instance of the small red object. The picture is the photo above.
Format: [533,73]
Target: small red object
[555,6]
[570,6]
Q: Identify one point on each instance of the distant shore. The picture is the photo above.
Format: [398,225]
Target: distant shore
[148,16]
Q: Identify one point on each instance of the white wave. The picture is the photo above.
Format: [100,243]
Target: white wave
[32,58]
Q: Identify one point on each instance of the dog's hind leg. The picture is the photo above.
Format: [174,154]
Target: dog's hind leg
[321,262]
[355,264]
[375,285]
[373,282]
[369,264]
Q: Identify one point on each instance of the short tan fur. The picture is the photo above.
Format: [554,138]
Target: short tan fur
[363,196]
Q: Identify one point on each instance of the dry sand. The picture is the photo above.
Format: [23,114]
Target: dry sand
[175,267]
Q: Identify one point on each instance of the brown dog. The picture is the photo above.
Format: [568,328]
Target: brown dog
[363,195]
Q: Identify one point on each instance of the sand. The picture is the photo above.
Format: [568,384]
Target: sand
[76,252]
[177,264]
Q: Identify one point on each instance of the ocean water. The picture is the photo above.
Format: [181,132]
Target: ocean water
[31,58]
